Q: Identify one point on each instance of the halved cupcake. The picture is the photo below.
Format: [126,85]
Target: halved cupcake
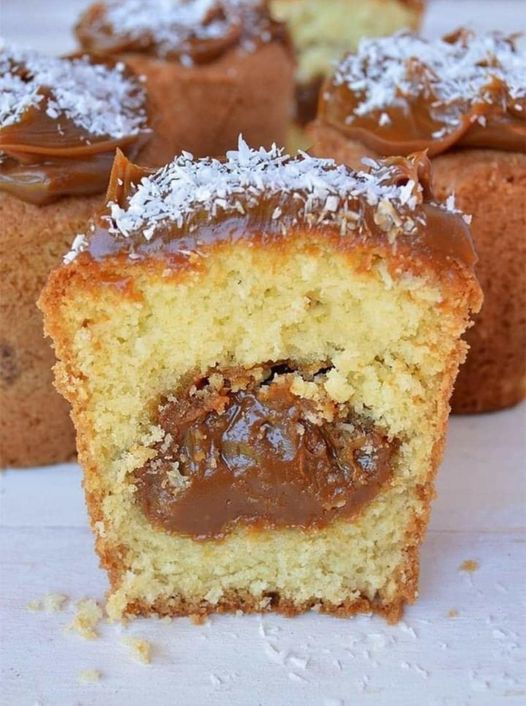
[259,353]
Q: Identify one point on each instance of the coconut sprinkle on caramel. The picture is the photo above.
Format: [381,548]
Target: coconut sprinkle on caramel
[324,193]
[102,100]
[454,72]
[172,24]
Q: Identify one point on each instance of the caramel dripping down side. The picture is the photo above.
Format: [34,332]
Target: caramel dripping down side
[124,176]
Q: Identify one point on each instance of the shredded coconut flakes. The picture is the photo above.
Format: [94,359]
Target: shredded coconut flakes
[101,100]
[173,23]
[323,193]
[382,73]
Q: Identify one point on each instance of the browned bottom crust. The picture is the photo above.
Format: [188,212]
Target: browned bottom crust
[272,603]
[204,109]
[490,185]
[35,428]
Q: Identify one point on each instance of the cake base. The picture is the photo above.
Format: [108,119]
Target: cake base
[203,109]
[491,186]
[35,427]
[246,603]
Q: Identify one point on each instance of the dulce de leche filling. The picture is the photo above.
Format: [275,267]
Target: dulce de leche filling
[401,94]
[62,123]
[241,448]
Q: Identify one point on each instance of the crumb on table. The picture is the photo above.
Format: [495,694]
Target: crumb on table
[50,603]
[469,565]
[453,613]
[141,649]
[89,676]
[88,615]
[198,619]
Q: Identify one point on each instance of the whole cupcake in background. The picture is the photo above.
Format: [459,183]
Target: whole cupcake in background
[213,68]
[61,121]
[463,98]
[322,31]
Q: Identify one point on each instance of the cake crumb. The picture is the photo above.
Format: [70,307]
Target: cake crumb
[469,565]
[89,676]
[50,603]
[88,615]
[453,613]
[141,649]
[198,619]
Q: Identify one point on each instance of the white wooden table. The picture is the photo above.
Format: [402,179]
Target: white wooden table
[462,644]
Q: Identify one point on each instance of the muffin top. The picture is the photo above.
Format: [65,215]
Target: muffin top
[403,93]
[189,205]
[61,121]
[188,31]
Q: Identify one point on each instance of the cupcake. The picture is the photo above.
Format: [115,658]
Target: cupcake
[463,99]
[213,69]
[61,121]
[323,31]
[259,352]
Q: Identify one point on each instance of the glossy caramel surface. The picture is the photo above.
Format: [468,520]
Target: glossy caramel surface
[47,152]
[474,98]
[425,227]
[191,32]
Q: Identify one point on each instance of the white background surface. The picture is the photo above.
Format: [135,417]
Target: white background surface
[430,659]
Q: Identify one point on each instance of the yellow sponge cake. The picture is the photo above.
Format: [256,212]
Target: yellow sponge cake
[259,353]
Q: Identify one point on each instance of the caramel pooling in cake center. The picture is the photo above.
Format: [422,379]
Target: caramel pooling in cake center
[259,456]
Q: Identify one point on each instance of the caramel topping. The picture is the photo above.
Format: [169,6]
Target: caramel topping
[191,204]
[307,95]
[261,457]
[402,94]
[189,31]
[61,121]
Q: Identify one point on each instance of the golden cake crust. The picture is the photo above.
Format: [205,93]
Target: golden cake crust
[35,427]
[491,186]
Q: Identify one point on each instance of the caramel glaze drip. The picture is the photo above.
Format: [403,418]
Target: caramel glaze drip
[413,123]
[443,235]
[98,36]
[44,158]
[256,457]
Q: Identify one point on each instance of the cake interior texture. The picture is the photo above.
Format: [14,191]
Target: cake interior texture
[364,334]
[490,185]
